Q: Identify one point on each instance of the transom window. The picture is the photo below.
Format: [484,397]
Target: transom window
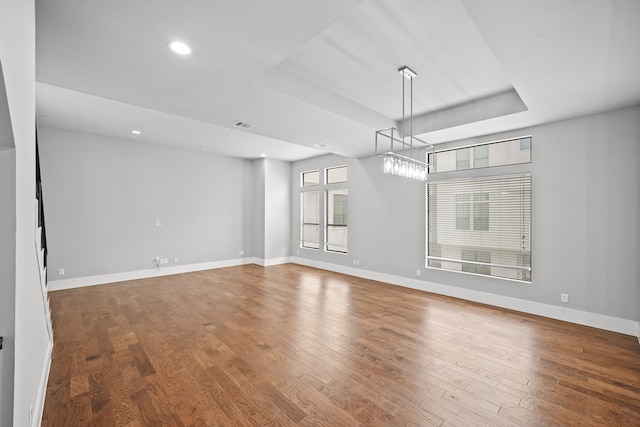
[499,153]
[336,175]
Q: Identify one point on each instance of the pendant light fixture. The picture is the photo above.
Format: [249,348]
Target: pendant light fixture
[407,155]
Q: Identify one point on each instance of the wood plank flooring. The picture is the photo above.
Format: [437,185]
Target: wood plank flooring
[294,346]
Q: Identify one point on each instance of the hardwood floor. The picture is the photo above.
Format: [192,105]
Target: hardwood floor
[294,346]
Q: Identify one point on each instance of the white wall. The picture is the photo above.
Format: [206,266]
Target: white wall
[32,346]
[258,208]
[7,280]
[271,204]
[277,207]
[103,196]
[586,237]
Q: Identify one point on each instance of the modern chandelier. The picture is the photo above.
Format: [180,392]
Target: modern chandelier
[407,156]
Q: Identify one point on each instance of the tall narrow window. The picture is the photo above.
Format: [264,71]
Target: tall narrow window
[310,224]
[336,230]
[481,226]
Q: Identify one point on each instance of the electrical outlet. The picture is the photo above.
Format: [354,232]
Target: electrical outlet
[418,273]
[175,260]
[240,252]
[164,261]
[159,222]
[61,272]
[564,297]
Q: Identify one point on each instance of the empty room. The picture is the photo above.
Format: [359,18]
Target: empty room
[305,213]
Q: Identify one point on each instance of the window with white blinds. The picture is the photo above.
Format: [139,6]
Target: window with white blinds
[481,226]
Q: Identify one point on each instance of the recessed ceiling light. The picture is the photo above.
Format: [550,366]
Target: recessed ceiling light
[136,132]
[321,145]
[180,48]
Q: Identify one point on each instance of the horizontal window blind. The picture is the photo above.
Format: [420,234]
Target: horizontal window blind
[481,225]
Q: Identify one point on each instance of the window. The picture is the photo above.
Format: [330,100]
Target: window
[335,210]
[336,175]
[336,230]
[479,203]
[481,156]
[462,159]
[481,211]
[485,221]
[310,224]
[463,212]
[499,153]
[310,178]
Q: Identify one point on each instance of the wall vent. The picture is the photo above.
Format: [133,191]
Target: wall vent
[242,124]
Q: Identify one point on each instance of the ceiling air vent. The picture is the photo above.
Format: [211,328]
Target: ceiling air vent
[242,124]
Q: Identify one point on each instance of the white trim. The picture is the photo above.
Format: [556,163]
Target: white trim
[600,321]
[271,261]
[42,390]
[57,285]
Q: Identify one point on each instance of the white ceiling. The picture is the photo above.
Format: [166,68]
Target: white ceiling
[304,72]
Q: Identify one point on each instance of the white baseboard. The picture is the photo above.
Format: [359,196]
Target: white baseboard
[57,285]
[271,261]
[600,321]
[42,391]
